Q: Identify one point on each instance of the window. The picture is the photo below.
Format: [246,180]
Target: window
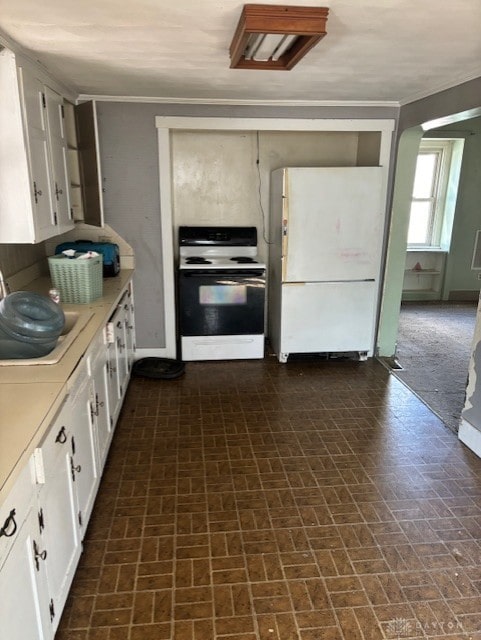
[428,204]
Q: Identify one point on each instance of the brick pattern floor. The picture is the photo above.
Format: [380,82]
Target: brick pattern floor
[318,500]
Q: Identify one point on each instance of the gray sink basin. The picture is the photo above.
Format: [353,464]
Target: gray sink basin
[75,323]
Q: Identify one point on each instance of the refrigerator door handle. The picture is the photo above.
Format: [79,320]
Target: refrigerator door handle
[314,283]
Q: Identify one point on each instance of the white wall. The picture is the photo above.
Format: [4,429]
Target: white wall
[216,180]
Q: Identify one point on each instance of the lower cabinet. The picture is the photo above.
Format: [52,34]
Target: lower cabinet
[100,403]
[44,519]
[23,586]
[83,454]
[120,337]
[67,479]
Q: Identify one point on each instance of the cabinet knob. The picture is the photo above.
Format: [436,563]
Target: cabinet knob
[61,436]
[36,192]
[74,469]
[98,403]
[38,555]
[9,526]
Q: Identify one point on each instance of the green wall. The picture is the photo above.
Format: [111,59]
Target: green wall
[467,218]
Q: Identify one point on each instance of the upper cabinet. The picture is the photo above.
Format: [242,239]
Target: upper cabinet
[34,182]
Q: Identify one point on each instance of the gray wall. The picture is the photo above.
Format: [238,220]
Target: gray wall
[130,176]
[129,161]
[465,100]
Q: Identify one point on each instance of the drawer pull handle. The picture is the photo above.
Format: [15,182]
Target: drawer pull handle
[74,469]
[38,555]
[9,522]
[36,192]
[98,404]
[61,436]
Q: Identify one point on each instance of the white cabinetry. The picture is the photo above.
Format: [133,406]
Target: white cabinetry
[58,522]
[129,319]
[23,590]
[67,479]
[58,159]
[89,166]
[24,594]
[100,409]
[44,517]
[83,464]
[34,184]
[121,338]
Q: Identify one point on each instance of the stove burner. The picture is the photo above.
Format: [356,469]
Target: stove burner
[197,260]
[244,260]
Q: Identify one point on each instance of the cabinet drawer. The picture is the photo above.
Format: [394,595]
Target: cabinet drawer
[54,443]
[15,508]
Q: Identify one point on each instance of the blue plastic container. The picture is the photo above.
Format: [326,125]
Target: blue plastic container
[30,325]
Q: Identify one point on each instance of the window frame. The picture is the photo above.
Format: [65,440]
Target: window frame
[443,148]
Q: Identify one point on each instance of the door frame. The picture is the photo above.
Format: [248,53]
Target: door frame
[166,124]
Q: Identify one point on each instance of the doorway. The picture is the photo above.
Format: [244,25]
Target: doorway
[433,352]
[432,337]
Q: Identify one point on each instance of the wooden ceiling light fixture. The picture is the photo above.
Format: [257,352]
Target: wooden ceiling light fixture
[276,36]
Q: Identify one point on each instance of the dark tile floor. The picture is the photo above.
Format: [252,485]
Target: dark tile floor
[318,500]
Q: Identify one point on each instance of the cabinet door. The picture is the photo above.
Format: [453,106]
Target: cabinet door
[99,403]
[37,136]
[59,161]
[23,587]
[121,349]
[83,463]
[128,302]
[60,536]
[113,385]
[58,521]
[87,140]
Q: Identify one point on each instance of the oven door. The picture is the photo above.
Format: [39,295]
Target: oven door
[223,302]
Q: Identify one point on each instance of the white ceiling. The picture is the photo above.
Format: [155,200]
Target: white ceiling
[375,50]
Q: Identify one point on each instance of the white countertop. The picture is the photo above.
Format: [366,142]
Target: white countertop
[30,396]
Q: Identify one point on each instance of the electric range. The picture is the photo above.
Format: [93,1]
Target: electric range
[221,293]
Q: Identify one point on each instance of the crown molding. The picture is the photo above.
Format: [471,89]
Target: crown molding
[236,102]
[420,95]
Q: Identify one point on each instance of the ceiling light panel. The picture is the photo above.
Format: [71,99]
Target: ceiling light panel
[276,36]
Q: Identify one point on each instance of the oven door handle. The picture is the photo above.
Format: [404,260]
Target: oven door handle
[235,273]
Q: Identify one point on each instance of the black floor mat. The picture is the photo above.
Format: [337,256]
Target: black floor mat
[160,368]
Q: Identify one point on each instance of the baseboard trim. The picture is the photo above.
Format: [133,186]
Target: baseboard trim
[470,436]
[463,296]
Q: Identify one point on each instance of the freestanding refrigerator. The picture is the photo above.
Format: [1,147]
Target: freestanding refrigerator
[326,230]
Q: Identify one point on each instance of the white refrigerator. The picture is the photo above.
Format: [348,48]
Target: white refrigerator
[326,234]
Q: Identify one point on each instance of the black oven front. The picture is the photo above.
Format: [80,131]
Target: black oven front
[221,302]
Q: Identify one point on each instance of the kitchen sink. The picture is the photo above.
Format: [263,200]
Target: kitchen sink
[75,323]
